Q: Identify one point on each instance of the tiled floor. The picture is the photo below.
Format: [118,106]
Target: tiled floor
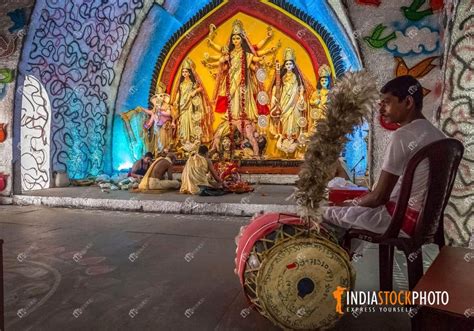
[71,269]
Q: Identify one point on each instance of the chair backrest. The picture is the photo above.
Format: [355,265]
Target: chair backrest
[443,157]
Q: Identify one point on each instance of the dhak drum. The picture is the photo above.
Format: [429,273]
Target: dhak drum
[290,272]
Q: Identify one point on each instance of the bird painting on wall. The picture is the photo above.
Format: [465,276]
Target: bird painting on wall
[413,12]
[418,71]
[376,41]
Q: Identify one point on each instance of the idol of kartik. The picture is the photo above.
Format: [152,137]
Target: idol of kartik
[319,97]
[192,107]
[236,84]
[160,120]
[288,96]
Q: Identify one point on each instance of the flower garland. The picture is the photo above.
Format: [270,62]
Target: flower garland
[242,92]
[229,108]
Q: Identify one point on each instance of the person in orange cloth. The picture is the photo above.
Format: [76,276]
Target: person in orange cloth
[195,173]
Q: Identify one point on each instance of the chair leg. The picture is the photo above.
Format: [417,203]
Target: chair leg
[415,267]
[386,267]
[439,237]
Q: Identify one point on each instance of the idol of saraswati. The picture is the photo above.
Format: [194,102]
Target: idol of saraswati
[236,84]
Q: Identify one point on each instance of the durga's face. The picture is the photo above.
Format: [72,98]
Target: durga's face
[236,40]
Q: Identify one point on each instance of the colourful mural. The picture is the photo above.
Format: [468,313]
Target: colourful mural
[402,38]
[74,59]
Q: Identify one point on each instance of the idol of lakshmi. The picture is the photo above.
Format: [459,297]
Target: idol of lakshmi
[192,107]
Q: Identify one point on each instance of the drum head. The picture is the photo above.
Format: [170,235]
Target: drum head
[296,281]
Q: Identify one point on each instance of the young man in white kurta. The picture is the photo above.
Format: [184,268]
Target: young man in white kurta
[402,103]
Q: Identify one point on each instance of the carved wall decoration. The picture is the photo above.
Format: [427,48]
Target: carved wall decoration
[73,53]
[457,120]
[35,133]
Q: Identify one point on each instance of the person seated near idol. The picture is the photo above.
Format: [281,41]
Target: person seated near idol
[197,171]
[247,149]
[402,102]
[141,166]
[155,178]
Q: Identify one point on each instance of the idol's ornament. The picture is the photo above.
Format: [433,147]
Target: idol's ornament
[291,268]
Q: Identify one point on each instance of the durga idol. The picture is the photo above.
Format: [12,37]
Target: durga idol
[237,86]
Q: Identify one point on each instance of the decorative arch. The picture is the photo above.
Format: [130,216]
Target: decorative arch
[169,32]
[286,17]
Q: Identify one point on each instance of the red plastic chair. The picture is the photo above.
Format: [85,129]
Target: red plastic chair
[444,157]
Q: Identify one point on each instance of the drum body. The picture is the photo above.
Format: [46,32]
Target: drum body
[291,273]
